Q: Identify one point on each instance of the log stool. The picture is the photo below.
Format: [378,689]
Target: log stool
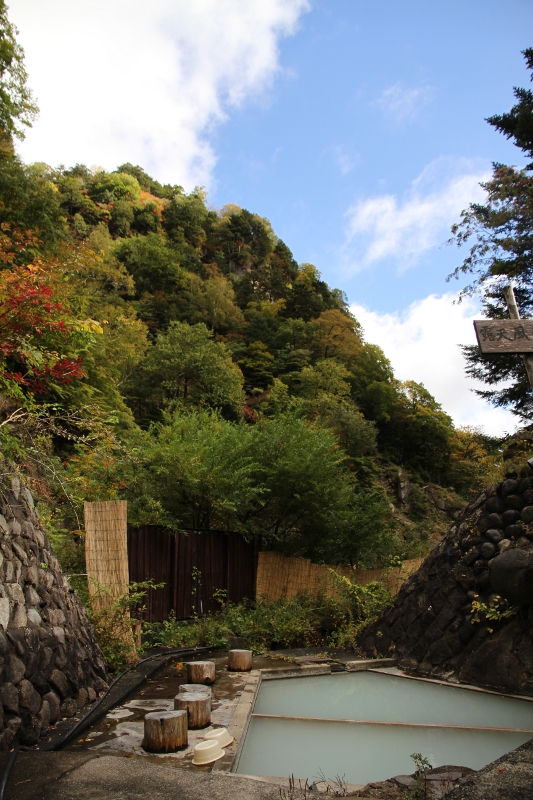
[240,660]
[165,731]
[198,707]
[201,672]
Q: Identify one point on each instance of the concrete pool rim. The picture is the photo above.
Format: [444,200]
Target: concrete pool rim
[244,711]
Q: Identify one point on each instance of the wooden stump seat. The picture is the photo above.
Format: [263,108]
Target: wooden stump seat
[165,731]
[198,707]
[240,660]
[201,672]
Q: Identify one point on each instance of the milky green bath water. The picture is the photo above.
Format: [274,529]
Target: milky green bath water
[362,752]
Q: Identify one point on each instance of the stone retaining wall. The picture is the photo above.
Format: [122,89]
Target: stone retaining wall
[430,626]
[50,665]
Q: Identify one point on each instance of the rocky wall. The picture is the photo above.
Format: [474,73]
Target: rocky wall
[50,665]
[432,628]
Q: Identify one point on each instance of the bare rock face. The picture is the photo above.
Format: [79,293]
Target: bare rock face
[488,552]
[49,659]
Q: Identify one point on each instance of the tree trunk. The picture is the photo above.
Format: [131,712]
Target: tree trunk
[240,660]
[198,707]
[201,672]
[165,731]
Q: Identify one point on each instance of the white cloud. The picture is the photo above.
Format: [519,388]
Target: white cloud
[345,162]
[401,103]
[146,82]
[422,345]
[403,230]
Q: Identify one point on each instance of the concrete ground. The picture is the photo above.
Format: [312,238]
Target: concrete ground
[85,776]
[77,776]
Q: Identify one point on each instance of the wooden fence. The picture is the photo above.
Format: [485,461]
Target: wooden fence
[193,565]
[279,576]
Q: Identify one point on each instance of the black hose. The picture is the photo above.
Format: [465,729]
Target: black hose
[7,770]
[84,720]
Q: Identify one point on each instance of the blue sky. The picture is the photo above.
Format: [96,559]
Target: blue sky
[356,127]
[374,94]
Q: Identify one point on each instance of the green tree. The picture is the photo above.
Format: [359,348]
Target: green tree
[257,365]
[121,218]
[30,202]
[418,434]
[517,123]
[502,252]
[17,107]
[186,366]
[306,489]
[192,471]
[367,539]
[185,218]
[147,183]
[281,478]
[108,187]
[159,279]
[213,302]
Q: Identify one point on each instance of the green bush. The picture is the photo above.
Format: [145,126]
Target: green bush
[266,624]
[117,631]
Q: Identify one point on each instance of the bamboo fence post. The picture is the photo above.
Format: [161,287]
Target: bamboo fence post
[106,555]
[106,547]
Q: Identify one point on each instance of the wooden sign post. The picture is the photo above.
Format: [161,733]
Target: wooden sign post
[513,335]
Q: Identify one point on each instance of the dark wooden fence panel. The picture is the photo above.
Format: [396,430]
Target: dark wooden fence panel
[192,566]
[151,555]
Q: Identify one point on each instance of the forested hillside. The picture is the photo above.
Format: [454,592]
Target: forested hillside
[159,350]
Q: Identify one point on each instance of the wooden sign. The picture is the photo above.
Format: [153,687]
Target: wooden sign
[504,335]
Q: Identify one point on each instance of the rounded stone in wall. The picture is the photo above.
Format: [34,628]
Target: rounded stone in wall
[510,516]
[527,514]
[488,550]
[509,486]
[527,483]
[528,496]
[496,520]
[515,502]
[511,576]
[495,504]
[514,531]
[494,535]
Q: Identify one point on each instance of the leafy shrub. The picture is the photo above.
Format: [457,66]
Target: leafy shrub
[364,604]
[117,632]
[292,622]
[264,624]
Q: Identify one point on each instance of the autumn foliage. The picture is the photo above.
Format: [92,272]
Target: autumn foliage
[35,330]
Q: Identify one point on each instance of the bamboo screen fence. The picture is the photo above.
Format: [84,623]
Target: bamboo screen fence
[106,549]
[278,576]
